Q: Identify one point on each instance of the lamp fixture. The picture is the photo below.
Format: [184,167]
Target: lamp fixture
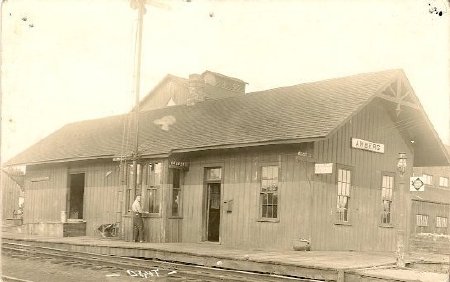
[401,164]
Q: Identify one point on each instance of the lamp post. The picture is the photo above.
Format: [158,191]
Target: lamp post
[401,164]
[400,238]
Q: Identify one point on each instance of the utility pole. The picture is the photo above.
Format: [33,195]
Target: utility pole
[139,5]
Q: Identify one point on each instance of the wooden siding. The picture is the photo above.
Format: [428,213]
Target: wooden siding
[10,196]
[101,194]
[100,203]
[155,226]
[364,231]
[241,173]
[307,202]
[432,210]
[45,193]
[434,192]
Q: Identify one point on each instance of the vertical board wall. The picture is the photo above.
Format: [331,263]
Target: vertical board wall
[364,231]
[307,202]
[10,196]
[45,193]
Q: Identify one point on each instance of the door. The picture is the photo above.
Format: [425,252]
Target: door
[213,186]
[76,196]
[213,212]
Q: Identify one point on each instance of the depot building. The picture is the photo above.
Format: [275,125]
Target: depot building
[316,162]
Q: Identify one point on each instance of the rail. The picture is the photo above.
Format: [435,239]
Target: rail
[141,266]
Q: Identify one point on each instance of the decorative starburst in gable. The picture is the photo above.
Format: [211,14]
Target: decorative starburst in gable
[401,93]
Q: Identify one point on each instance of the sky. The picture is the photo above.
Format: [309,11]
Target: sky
[70,60]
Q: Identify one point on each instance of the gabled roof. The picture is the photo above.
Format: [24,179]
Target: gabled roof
[283,115]
[166,79]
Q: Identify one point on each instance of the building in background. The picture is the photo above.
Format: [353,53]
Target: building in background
[430,210]
[314,162]
[12,195]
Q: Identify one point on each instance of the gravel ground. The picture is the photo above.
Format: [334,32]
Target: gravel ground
[411,274]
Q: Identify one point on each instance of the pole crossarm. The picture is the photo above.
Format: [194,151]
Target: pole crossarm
[138,5]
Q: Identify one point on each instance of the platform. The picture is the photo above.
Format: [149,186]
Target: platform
[321,265]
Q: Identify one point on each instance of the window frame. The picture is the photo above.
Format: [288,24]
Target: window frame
[390,223]
[422,217]
[156,187]
[427,177]
[260,193]
[442,219]
[128,203]
[206,195]
[440,184]
[338,220]
[180,192]
[129,171]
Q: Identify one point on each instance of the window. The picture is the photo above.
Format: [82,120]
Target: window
[422,220]
[428,179]
[128,198]
[213,180]
[130,183]
[213,174]
[441,222]
[269,192]
[386,198]
[343,194]
[443,181]
[153,187]
[176,192]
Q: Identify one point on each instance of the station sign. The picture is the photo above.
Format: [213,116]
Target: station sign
[178,164]
[39,179]
[367,145]
[304,156]
[326,168]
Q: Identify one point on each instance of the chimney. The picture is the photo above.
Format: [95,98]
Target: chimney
[196,89]
[213,86]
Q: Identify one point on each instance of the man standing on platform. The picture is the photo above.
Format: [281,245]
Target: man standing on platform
[138,223]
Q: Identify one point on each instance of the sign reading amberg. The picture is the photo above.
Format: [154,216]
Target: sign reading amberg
[367,145]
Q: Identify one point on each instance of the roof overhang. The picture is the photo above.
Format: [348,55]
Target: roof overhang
[57,161]
[235,146]
[412,121]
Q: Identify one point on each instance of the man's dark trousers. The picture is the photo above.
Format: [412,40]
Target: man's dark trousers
[138,227]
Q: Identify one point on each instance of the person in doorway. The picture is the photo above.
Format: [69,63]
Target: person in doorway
[138,223]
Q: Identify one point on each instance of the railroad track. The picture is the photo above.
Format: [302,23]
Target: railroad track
[138,267]
[13,279]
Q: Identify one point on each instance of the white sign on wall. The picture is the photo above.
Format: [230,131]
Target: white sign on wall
[417,184]
[367,145]
[323,168]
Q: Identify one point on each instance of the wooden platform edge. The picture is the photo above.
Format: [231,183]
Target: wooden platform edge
[327,274]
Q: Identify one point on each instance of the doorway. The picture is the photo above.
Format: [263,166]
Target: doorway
[76,196]
[213,185]
[213,212]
